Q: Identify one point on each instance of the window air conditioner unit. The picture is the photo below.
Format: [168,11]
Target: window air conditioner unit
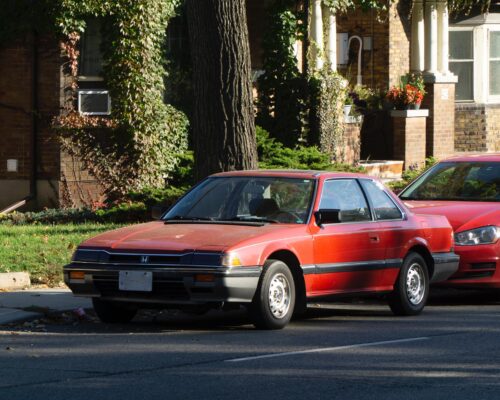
[94,102]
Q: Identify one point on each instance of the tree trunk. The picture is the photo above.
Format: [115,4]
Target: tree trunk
[223,119]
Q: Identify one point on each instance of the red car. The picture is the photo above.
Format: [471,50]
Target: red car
[466,190]
[270,240]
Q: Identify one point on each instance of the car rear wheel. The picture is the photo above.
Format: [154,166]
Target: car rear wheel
[274,300]
[112,311]
[411,288]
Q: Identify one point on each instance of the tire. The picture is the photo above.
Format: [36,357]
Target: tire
[113,312]
[411,288]
[274,301]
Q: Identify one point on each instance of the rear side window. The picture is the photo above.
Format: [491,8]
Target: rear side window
[345,195]
[383,206]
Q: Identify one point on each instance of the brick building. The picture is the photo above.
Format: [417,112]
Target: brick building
[460,57]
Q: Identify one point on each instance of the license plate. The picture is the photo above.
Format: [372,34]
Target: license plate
[135,281]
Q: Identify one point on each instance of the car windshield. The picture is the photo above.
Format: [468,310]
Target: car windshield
[250,199]
[461,181]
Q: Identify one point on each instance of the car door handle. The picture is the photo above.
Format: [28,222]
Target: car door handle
[374,239]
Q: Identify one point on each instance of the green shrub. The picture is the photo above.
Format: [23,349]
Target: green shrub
[151,196]
[49,216]
[273,155]
[410,175]
[124,212]
[183,175]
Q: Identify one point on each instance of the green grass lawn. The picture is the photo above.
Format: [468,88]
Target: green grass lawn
[42,250]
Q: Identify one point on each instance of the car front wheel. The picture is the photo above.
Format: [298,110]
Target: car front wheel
[411,288]
[112,311]
[274,301]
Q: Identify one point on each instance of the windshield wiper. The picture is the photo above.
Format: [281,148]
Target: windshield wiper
[184,218]
[252,219]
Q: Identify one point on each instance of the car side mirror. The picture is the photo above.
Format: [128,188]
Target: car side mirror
[158,211]
[327,216]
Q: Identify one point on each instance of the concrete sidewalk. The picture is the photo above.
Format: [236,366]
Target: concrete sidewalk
[22,305]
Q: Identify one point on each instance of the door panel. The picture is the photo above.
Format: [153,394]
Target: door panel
[349,256]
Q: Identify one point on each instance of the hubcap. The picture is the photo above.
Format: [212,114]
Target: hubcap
[415,284]
[279,296]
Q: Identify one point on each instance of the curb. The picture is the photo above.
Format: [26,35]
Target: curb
[14,280]
[14,316]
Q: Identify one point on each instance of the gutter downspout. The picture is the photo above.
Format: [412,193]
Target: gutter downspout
[34,132]
[307,15]
[359,78]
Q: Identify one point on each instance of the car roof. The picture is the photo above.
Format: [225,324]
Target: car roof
[291,173]
[482,157]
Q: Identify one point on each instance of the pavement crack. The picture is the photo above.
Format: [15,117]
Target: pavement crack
[112,374]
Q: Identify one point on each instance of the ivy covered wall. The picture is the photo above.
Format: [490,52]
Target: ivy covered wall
[138,144]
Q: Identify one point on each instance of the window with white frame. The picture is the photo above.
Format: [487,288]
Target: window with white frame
[90,50]
[461,62]
[92,95]
[494,63]
[475,60]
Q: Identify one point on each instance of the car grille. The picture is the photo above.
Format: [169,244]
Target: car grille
[144,259]
[478,274]
[488,266]
[480,270]
[172,288]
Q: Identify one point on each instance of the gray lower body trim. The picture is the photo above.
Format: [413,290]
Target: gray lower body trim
[356,266]
[445,265]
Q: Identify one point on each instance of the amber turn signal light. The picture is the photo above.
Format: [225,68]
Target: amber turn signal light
[204,278]
[77,275]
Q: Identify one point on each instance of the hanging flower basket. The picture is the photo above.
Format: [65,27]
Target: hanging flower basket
[408,95]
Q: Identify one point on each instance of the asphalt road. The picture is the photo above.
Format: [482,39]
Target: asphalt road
[341,351]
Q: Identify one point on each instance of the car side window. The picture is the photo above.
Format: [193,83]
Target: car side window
[346,196]
[383,206]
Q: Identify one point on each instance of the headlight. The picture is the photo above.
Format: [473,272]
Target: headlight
[83,255]
[231,260]
[483,235]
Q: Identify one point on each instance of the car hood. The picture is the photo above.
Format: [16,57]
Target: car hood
[463,215]
[181,237]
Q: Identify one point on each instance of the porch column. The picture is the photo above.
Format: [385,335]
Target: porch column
[417,36]
[317,34]
[443,45]
[431,37]
[332,39]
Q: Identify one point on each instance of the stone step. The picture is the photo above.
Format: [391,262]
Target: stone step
[387,170]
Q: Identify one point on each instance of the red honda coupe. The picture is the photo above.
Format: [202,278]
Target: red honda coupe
[268,240]
[466,190]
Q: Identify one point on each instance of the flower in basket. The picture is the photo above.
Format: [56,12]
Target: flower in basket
[362,99]
[409,93]
[349,101]
[394,95]
[413,95]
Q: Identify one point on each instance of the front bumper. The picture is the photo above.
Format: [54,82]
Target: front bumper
[479,267]
[445,265]
[171,285]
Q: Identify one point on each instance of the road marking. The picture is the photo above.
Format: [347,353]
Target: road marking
[325,349]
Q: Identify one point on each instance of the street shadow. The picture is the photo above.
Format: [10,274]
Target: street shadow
[161,321]
[463,297]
